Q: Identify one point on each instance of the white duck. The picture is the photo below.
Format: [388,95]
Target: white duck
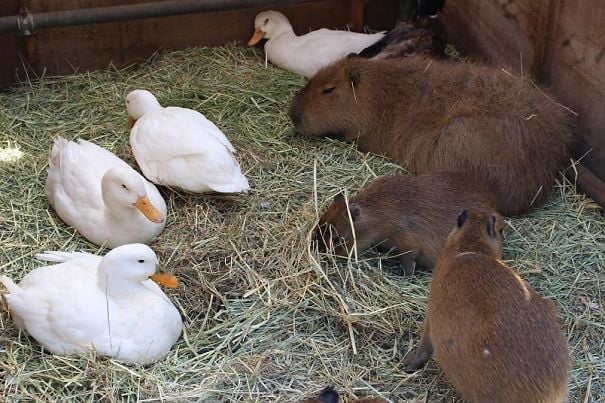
[106,304]
[305,54]
[179,147]
[101,196]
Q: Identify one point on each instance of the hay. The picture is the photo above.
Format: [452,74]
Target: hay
[266,317]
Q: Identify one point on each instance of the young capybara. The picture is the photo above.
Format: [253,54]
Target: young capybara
[440,115]
[411,214]
[493,336]
[330,395]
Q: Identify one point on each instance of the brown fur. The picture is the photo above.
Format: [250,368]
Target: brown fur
[412,214]
[424,35]
[493,336]
[437,115]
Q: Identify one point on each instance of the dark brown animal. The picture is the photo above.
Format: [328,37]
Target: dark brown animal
[411,214]
[329,395]
[493,336]
[423,35]
[439,115]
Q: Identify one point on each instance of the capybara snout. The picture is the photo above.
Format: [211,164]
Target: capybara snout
[335,227]
[316,109]
[295,111]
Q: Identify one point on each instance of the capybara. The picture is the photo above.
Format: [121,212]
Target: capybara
[440,115]
[411,214]
[493,336]
[330,395]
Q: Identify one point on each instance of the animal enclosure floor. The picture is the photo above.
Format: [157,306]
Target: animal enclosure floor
[266,317]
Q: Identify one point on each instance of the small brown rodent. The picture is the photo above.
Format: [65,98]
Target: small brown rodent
[330,395]
[441,115]
[493,336]
[411,214]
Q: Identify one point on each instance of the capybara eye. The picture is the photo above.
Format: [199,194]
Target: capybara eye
[328,90]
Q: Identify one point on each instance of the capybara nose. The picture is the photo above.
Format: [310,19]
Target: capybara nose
[295,118]
[294,113]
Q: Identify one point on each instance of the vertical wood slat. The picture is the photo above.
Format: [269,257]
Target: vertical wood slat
[544,40]
[357,15]
[31,42]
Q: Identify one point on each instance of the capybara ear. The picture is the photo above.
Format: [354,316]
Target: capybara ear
[462,217]
[340,197]
[328,395]
[353,73]
[492,229]
[355,211]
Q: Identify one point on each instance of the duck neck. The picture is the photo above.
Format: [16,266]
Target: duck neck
[118,213]
[285,32]
[117,286]
[116,210]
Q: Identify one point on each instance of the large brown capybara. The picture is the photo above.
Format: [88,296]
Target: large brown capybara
[493,336]
[439,115]
[410,214]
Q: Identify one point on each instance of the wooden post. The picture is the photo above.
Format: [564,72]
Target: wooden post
[357,14]
[543,41]
[31,43]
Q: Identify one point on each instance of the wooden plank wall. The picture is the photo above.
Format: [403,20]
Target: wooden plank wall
[65,50]
[576,66]
[561,43]
[11,46]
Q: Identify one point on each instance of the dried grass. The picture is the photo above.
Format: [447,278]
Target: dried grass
[266,318]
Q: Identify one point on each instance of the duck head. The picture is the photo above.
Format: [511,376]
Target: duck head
[134,263]
[123,188]
[138,103]
[269,24]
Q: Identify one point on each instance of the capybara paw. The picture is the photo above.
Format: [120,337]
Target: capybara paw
[409,267]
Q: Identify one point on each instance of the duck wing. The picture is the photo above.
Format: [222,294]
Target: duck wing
[180,147]
[74,177]
[61,306]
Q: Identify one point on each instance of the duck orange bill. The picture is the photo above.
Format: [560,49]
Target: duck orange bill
[165,280]
[131,122]
[256,38]
[149,210]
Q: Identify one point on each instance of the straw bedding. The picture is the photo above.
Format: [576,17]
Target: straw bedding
[266,317]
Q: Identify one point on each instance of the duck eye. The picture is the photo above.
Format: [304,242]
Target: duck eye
[328,90]
[124,186]
[141,261]
[127,101]
[266,21]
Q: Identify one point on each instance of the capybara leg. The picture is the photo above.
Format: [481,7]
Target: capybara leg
[408,262]
[423,353]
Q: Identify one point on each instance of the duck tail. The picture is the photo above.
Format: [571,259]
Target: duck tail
[59,257]
[9,284]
